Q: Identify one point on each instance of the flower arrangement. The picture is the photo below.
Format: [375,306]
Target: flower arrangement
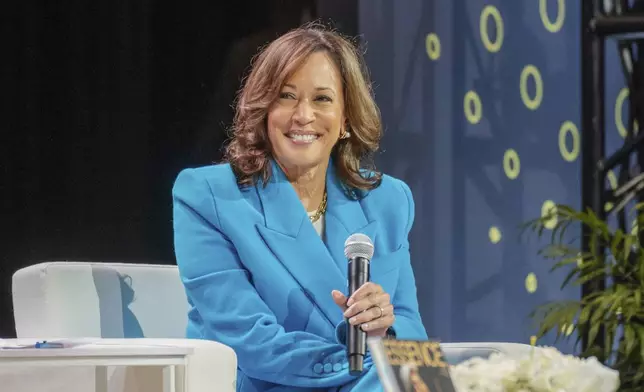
[545,369]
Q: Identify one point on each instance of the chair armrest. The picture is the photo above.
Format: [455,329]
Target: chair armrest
[212,366]
[456,353]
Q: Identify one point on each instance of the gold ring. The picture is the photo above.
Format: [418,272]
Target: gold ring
[381,311]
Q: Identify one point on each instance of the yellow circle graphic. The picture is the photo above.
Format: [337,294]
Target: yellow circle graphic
[531,102]
[472,106]
[511,164]
[568,127]
[549,207]
[531,283]
[433,46]
[555,26]
[490,10]
[494,234]
[619,121]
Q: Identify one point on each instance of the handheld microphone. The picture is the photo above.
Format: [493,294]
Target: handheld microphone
[358,249]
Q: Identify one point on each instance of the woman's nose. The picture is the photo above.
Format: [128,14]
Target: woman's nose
[303,113]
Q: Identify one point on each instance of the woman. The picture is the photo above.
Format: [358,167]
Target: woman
[259,240]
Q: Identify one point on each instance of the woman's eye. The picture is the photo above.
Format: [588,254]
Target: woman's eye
[287,96]
[324,98]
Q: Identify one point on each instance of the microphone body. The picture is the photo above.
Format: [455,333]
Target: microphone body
[358,273]
[358,249]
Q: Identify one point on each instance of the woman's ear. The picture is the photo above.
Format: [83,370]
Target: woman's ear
[345,133]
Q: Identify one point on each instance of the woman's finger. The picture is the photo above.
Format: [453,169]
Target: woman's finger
[339,299]
[370,308]
[379,323]
[364,291]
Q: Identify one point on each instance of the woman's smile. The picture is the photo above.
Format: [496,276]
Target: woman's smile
[300,138]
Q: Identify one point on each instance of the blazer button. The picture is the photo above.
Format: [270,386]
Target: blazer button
[345,365]
[318,368]
[337,367]
[328,367]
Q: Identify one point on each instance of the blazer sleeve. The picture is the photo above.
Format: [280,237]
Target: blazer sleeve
[231,310]
[408,324]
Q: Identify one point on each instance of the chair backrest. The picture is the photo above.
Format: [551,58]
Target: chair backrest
[109,300]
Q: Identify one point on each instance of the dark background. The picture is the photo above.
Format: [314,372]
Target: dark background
[103,103]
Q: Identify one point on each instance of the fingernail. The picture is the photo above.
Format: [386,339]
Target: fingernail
[365,327]
[350,302]
[352,320]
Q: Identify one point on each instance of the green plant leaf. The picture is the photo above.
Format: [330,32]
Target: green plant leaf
[555,315]
[571,274]
[616,242]
[592,334]
[628,244]
[639,330]
[630,339]
[615,258]
[586,312]
[589,276]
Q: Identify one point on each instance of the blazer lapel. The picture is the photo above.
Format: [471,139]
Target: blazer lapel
[295,243]
[344,217]
[319,269]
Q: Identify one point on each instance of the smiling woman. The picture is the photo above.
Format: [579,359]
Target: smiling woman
[305,123]
[308,72]
[268,227]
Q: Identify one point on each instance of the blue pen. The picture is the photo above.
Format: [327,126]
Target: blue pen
[46,344]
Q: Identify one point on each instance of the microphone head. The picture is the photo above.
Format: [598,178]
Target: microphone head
[358,245]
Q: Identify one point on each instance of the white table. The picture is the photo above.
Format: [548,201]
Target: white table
[104,354]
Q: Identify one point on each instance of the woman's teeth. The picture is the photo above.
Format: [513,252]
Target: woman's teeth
[302,138]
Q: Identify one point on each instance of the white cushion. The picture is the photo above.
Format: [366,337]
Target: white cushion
[110,300]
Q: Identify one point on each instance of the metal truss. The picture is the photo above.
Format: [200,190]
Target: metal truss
[623,21]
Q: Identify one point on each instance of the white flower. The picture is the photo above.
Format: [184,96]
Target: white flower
[543,370]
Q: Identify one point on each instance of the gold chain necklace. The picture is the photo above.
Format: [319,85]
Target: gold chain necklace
[320,211]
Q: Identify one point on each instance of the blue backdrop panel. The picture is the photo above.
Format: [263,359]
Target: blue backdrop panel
[481,107]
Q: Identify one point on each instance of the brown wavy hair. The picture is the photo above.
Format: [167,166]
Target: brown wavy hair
[249,151]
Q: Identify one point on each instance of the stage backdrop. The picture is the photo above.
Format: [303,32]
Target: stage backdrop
[481,105]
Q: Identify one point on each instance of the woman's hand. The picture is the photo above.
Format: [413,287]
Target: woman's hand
[369,307]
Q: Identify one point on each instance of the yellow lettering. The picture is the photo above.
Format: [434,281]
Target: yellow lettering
[401,352]
[393,354]
[432,355]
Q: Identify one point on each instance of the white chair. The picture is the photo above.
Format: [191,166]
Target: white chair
[114,300]
[459,352]
[110,300]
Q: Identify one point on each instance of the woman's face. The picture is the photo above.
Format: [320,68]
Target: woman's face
[306,121]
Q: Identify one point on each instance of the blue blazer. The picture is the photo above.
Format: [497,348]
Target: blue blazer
[259,278]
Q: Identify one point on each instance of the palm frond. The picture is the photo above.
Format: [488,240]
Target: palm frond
[616,311]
